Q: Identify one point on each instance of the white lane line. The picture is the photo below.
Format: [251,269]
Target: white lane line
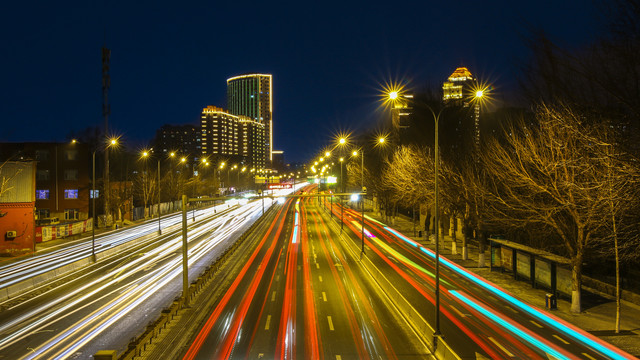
[501,347]
[266,327]
[330,323]
[320,278]
[536,324]
[299,267]
[317,266]
[277,277]
[324,296]
[273,296]
[588,356]
[338,357]
[561,339]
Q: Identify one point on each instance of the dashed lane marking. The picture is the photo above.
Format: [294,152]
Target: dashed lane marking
[501,347]
[266,327]
[536,324]
[273,296]
[317,266]
[324,296]
[320,278]
[588,356]
[458,311]
[561,339]
[338,357]
[330,323]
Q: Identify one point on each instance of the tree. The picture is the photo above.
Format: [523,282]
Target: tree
[551,175]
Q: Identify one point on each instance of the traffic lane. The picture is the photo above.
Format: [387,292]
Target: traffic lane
[65,307]
[529,330]
[380,332]
[220,331]
[413,283]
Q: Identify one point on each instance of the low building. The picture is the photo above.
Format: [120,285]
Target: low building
[17,202]
[62,180]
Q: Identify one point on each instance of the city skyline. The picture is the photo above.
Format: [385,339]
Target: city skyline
[173,62]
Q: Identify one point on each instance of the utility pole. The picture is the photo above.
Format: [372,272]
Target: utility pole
[106,111]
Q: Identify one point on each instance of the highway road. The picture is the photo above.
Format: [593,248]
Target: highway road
[108,303]
[478,319]
[302,294]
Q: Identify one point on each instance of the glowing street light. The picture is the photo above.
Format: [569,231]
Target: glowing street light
[145,154]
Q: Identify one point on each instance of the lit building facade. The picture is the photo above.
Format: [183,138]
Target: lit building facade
[251,95]
[458,89]
[232,137]
[458,86]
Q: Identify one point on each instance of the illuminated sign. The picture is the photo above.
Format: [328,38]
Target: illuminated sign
[279,186]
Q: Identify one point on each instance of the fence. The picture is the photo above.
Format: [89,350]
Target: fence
[52,232]
[152,211]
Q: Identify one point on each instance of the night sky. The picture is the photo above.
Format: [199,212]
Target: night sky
[329,60]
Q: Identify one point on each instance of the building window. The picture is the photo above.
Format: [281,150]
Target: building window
[71,155]
[42,175]
[42,155]
[42,214]
[71,174]
[97,194]
[71,214]
[42,194]
[71,193]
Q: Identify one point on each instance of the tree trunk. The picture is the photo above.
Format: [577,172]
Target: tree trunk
[452,234]
[576,280]
[618,289]
[481,245]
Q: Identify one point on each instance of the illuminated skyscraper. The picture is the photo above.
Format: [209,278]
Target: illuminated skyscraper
[235,138]
[458,86]
[459,90]
[251,95]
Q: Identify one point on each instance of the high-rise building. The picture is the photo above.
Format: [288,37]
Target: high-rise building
[459,89]
[182,139]
[234,138]
[251,95]
[459,85]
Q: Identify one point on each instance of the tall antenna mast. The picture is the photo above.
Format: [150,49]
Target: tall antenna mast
[106,111]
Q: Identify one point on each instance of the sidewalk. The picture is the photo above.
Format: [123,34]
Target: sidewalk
[598,313]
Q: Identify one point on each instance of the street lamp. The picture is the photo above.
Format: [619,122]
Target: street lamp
[355,153]
[145,154]
[112,142]
[342,189]
[436,333]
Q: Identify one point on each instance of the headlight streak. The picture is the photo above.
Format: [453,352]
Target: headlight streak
[558,324]
[237,217]
[169,275]
[42,263]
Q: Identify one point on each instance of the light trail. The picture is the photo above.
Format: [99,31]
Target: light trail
[88,328]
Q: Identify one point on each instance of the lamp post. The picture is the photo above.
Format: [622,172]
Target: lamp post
[111,142]
[341,142]
[355,153]
[146,154]
[437,333]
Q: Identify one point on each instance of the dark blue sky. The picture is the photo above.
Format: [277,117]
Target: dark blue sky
[328,59]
